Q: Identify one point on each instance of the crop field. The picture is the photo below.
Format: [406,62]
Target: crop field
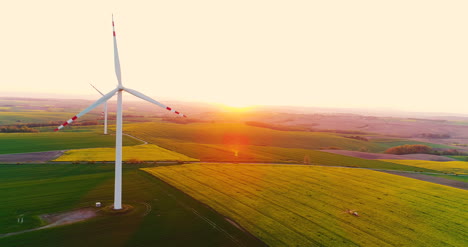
[235,134]
[239,142]
[458,157]
[225,141]
[294,205]
[456,167]
[388,143]
[249,153]
[7,118]
[452,177]
[148,152]
[163,216]
[37,142]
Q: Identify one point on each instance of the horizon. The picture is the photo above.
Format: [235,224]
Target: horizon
[376,111]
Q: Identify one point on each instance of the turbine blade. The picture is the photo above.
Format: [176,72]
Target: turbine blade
[142,96]
[96,89]
[116,56]
[94,105]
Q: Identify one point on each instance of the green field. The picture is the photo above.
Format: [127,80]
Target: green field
[455,167]
[47,141]
[291,205]
[249,153]
[452,177]
[211,146]
[235,134]
[174,219]
[458,157]
[388,143]
[148,152]
[7,118]
[243,143]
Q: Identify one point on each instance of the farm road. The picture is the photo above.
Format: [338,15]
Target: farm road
[136,138]
[379,156]
[35,157]
[432,179]
[60,219]
[41,157]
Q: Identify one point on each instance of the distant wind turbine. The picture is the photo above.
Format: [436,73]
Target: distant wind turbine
[118,135]
[105,110]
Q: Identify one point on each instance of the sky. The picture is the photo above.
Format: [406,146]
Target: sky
[407,55]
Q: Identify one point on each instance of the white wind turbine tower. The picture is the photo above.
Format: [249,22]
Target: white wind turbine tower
[105,110]
[118,135]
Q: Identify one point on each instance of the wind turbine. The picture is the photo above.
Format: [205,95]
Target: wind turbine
[118,135]
[105,110]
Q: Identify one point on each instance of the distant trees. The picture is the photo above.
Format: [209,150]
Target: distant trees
[433,136]
[17,129]
[423,149]
[454,152]
[179,120]
[410,149]
[361,138]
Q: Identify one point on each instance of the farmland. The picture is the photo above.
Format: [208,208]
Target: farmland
[283,205]
[148,152]
[456,167]
[234,134]
[236,141]
[388,143]
[173,219]
[35,117]
[28,117]
[288,205]
[36,142]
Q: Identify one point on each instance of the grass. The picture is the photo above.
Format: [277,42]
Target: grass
[458,157]
[7,118]
[235,134]
[37,142]
[249,153]
[32,117]
[388,143]
[148,152]
[174,219]
[462,178]
[214,146]
[455,167]
[290,205]
[240,142]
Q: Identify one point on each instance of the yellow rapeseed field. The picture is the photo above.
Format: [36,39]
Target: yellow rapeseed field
[296,205]
[148,152]
[458,167]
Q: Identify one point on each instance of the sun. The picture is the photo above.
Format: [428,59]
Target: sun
[237,106]
[236,103]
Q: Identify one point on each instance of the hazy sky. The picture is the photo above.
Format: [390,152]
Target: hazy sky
[410,55]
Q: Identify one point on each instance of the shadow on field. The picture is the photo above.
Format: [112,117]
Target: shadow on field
[163,215]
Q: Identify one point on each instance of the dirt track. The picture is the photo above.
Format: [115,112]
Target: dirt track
[374,156]
[59,219]
[65,218]
[432,179]
[36,157]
